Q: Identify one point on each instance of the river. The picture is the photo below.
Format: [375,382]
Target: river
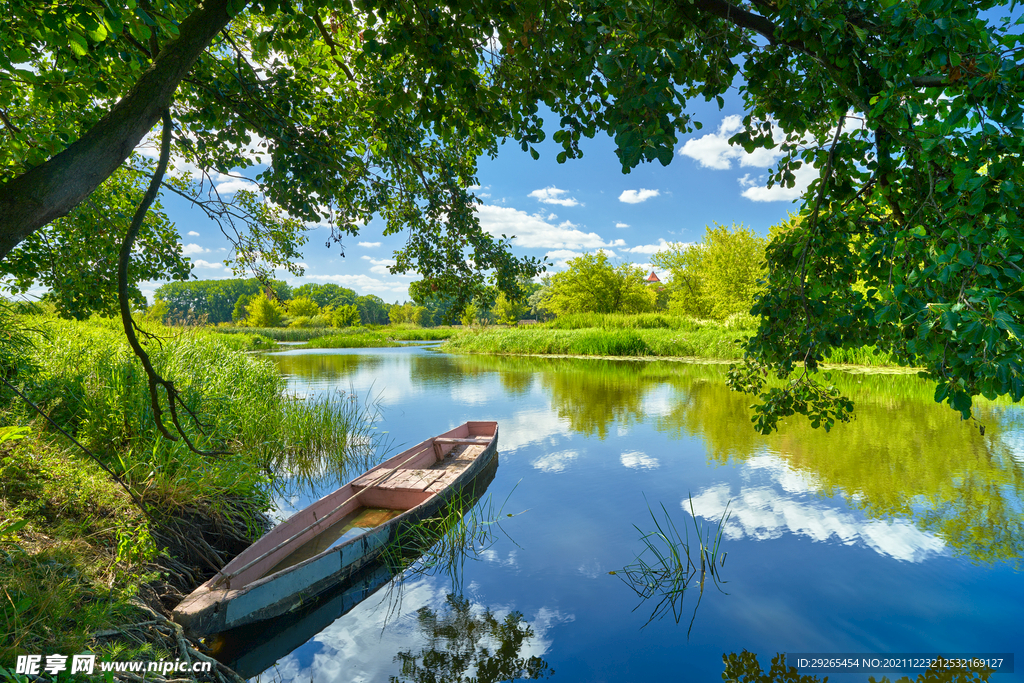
[901,532]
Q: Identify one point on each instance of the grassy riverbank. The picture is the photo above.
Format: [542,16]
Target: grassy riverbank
[382,337]
[78,548]
[644,335]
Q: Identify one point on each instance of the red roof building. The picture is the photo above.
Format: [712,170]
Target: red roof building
[653,278]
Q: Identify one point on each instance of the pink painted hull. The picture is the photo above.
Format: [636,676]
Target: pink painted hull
[254,586]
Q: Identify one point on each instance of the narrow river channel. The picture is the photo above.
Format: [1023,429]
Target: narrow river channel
[901,532]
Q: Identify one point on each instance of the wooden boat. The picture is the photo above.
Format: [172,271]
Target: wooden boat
[320,546]
[252,649]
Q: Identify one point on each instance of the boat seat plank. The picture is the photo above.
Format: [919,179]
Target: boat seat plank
[441,441]
[409,479]
[469,441]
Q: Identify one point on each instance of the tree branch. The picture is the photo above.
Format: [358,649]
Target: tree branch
[56,186]
[154,379]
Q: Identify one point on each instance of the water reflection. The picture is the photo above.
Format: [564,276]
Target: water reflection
[465,645]
[904,460]
[326,367]
[439,636]
[838,542]
[782,500]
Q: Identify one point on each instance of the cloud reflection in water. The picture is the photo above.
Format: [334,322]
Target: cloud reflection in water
[780,499]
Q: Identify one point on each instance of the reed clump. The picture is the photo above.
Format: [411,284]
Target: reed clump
[381,337]
[709,341]
[159,506]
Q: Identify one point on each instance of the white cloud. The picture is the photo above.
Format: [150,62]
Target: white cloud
[555,462]
[552,195]
[193,233]
[381,265]
[757,192]
[637,196]
[662,245]
[787,500]
[714,151]
[534,232]
[563,254]
[227,184]
[200,263]
[639,461]
[622,225]
[365,283]
[193,249]
[369,245]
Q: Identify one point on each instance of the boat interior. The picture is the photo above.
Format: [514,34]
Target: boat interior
[399,484]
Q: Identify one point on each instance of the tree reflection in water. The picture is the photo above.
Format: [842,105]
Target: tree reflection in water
[463,647]
[904,457]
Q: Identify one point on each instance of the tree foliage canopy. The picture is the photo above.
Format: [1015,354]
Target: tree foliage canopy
[716,277]
[909,110]
[214,300]
[593,285]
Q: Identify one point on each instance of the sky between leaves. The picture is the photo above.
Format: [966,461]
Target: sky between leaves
[557,211]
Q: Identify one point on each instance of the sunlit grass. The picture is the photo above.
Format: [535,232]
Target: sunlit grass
[710,341]
[82,533]
[381,338]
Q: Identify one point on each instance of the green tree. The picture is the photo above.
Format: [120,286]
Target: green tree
[406,313]
[301,306]
[372,310]
[216,300]
[241,310]
[324,295]
[440,308]
[75,257]
[717,277]
[506,311]
[264,313]
[345,315]
[593,285]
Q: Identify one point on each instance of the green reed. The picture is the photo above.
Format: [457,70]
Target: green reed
[380,338]
[281,333]
[714,342]
[669,563]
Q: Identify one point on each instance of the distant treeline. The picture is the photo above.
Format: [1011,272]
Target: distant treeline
[224,301]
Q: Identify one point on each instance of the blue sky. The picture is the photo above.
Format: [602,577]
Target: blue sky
[554,210]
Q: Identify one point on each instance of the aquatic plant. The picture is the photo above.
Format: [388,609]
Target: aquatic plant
[669,563]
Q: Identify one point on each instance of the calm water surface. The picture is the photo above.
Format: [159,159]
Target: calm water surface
[901,532]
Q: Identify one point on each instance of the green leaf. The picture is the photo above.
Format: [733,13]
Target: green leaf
[79,45]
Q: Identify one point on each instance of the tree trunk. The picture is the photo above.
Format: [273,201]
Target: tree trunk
[56,186]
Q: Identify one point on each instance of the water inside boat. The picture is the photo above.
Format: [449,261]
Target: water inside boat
[352,525]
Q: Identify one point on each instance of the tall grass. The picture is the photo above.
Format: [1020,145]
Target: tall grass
[647,321]
[637,335]
[204,509]
[381,338]
[866,355]
[291,334]
[706,342]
